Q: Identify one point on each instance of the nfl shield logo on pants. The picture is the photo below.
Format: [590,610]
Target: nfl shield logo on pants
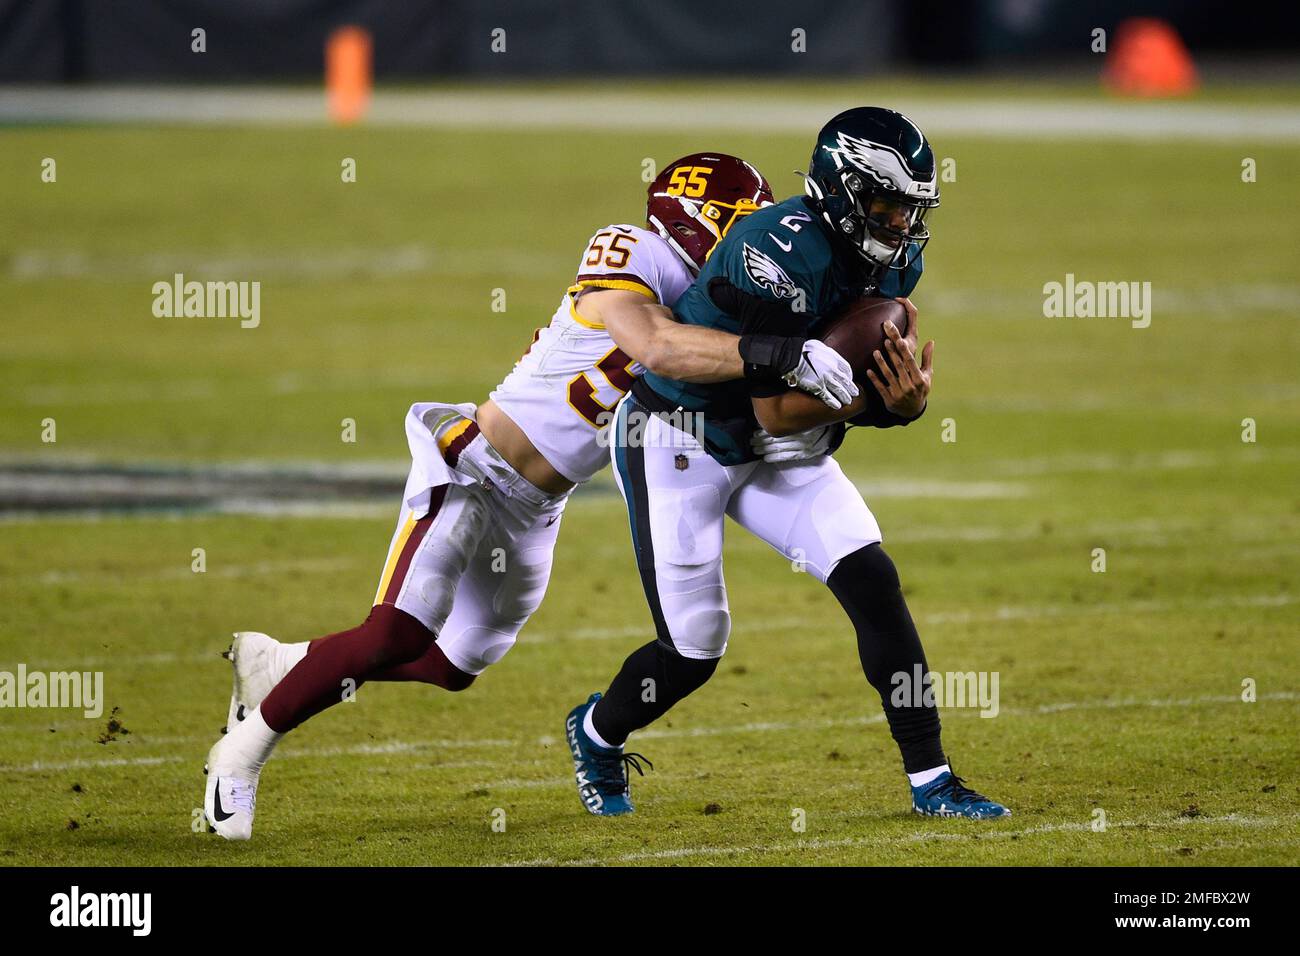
[681,462]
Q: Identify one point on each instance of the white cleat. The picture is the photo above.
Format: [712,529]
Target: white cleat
[258,662]
[230,796]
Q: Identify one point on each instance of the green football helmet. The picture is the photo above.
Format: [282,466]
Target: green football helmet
[872,178]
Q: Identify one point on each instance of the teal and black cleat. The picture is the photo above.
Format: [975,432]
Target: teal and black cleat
[948,796]
[601,773]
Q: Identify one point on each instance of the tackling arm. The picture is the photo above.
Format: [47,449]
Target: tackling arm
[647,332]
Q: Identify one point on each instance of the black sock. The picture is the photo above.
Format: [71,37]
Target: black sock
[625,706]
[866,585]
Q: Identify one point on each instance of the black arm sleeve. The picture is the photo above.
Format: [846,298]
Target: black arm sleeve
[771,336]
[884,418]
[755,313]
[769,357]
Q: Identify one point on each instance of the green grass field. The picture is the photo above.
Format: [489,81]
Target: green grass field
[1120,691]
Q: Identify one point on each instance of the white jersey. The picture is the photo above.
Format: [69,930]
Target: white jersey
[562,392]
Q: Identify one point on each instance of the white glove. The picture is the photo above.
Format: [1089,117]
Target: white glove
[823,373]
[796,447]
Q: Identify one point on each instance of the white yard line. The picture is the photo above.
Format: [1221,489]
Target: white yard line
[120,392]
[328,264]
[941,489]
[766,727]
[573,107]
[24,476]
[13,464]
[123,576]
[1022,612]
[1024,302]
[755,727]
[334,264]
[1173,459]
[381,749]
[104,661]
[270,510]
[988,832]
[1008,612]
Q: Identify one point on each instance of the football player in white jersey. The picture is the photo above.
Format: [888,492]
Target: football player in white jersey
[471,556]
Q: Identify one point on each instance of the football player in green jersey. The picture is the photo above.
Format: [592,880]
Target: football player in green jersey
[780,272]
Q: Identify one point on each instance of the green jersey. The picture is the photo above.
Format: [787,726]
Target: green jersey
[782,253]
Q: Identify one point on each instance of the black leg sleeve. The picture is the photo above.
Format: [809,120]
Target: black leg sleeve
[866,585]
[653,678]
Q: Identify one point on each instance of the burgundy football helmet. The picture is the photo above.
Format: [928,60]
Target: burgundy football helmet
[696,199]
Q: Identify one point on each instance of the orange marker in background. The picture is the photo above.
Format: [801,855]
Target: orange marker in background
[1149,58]
[348,76]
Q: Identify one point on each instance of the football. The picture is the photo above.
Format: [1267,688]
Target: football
[856,333]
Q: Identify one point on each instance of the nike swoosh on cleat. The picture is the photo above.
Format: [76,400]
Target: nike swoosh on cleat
[218,813]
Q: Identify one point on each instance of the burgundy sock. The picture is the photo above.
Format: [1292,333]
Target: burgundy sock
[387,639]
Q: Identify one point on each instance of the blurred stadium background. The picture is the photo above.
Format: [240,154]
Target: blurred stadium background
[484,160]
[51,41]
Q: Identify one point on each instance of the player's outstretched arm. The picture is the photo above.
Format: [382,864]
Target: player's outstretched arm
[692,353]
[647,332]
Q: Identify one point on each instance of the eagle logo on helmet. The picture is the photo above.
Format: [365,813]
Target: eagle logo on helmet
[766,274]
[880,162]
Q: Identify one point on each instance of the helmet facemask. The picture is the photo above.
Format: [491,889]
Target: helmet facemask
[885,227]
